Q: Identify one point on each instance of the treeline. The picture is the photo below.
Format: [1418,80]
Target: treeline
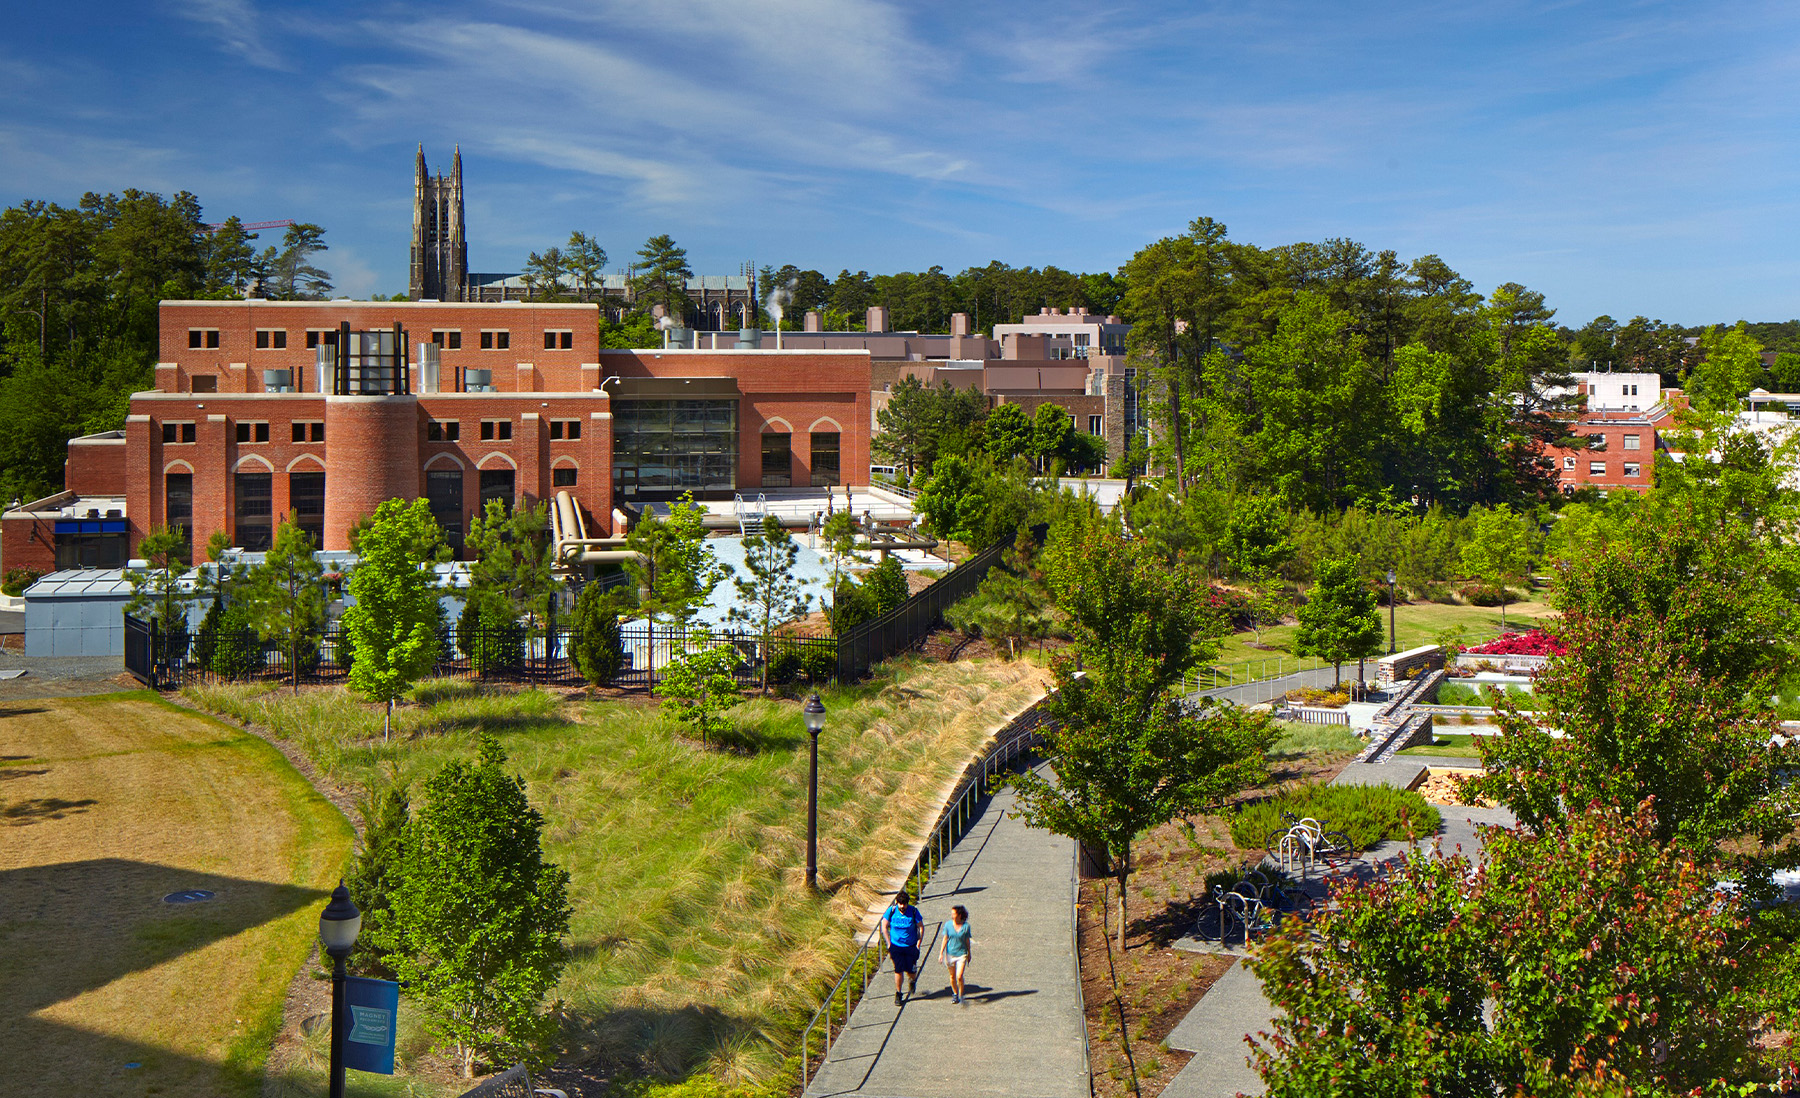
[79,287]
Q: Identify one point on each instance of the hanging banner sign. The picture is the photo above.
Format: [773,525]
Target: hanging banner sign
[370,1008]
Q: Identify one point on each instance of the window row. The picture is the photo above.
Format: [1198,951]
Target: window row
[778,459]
[498,430]
[1598,468]
[450,339]
[176,432]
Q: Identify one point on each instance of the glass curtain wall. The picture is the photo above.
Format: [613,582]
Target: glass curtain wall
[664,448]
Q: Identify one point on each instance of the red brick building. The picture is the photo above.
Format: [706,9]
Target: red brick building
[1621,448]
[324,409]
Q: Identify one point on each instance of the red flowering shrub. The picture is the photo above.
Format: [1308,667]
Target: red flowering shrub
[1532,642]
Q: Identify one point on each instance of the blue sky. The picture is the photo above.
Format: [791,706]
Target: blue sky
[1622,158]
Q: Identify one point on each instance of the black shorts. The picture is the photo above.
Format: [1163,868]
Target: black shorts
[906,958]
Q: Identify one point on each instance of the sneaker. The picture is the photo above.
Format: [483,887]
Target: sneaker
[955,998]
[912,986]
[897,998]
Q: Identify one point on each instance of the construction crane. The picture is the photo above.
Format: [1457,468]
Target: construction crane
[253,226]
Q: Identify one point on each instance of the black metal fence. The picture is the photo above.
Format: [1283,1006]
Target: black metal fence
[168,660]
[904,626]
[164,659]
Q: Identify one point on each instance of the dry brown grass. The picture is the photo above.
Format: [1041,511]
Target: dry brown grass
[107,804]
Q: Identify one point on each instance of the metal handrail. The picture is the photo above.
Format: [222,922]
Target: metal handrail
[1019,736]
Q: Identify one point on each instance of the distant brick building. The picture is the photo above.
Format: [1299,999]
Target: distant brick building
[324,409]
[1622,420]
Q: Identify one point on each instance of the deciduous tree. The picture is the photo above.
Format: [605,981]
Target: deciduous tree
[394,620]
[480,916]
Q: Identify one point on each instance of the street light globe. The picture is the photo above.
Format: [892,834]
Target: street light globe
[813,713]
[1390,577]
[339,923]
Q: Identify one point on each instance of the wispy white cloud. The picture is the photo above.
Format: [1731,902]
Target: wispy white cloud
[236,26]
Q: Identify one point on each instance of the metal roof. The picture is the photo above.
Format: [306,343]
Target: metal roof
[80,583]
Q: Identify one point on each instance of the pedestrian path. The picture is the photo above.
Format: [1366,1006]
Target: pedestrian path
[1020,1033]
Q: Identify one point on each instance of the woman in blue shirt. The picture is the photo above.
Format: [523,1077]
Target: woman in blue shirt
[958,949]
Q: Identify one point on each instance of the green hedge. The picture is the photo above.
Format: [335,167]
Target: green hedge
[1367,813]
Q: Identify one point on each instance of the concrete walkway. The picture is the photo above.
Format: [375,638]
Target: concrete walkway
[1020,1032]
[1267,690]
[1234,1007]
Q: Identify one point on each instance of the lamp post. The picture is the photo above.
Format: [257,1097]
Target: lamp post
[1390,578]
[339,924]
[813,713]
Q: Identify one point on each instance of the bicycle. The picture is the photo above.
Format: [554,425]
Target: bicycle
[1304,840]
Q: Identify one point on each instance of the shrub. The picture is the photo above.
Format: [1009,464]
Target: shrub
[886,584]
[15,580]
[851,605]
[1232,605]
[235,650]
[488,646]
[1369,814]
[819,663]
[1531,642]
[784,665]
[1455,693]
[597,647]
[1483,595]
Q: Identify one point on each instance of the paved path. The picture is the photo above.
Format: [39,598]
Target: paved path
[1234,1007]
[1256,693]
[1214,1031]
[1020,1033]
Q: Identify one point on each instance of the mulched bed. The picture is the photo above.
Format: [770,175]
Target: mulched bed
[1146,991]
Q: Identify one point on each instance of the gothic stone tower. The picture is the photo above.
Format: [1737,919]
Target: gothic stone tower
[440,253]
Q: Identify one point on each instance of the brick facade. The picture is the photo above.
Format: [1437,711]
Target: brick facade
[372,448]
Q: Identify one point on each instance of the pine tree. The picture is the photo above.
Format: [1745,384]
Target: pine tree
[1339,621]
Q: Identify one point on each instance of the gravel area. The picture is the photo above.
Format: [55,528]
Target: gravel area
[63,676]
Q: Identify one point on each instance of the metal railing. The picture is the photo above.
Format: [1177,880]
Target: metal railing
[1018,737]
[1304,714]
[1238,673]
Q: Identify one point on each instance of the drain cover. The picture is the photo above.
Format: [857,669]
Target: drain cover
[191,896]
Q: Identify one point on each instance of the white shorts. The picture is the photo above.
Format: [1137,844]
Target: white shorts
[956,964]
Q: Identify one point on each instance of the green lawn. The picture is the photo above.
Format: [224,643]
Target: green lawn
[1414,624]
[696,946]
[1453,745]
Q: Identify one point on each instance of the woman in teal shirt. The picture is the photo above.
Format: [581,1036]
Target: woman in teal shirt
[958,949]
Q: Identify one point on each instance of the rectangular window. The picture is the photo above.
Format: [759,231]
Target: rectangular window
[824,458]
[271,339]
[497,339]
[253,431]
[204,383]
[444,492]
[306,497]
[313,431]
[177,432]
[1568,463]
[1631,442]
[1596,468]
[777,460]
[568,429]
[1596,442]
[496,430]
[664,448]
[1632,469]
[443,431]
[555,339]
[178,507]
[1631,390]
[1096,425]
[321,336]
[255,508]
[448,338]
[563,476]
[497,484]
[203,337]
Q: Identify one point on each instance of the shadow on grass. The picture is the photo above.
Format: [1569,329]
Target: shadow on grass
[38,809]
[663,1045]
[77,927]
